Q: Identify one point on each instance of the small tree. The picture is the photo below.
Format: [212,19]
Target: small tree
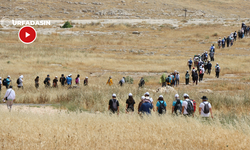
[67,25]
[129,80]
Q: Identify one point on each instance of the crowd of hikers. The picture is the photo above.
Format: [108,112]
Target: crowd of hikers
[185,107]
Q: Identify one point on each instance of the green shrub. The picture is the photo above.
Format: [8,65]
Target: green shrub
[129,80]
[67,25]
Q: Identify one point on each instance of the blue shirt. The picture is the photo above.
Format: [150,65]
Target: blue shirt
[158,104]
[69,79]
[145,107]
[190,62]
[174,102]
[7,81]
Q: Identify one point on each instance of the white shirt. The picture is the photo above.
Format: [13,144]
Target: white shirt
[20,82]
[10,94]
[0,82]
[184,103]
[202,70]
[202,109]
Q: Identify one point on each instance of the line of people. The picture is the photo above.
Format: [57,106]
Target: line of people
[186,107]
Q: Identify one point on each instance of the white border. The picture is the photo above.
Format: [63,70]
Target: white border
[23,41]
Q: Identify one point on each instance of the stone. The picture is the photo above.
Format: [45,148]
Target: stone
[135,32]
[167,89]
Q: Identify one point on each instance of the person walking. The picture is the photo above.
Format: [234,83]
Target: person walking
[195,77]
[141,83]
[219,43]
[146,106]
[114,105]
[37,82]
[0,84]
[161,105]
[211,54]
[201,74]
[187,77]
[228,41]
[168,80]
[77,80]
[130,103]
[142,100]
[69,80]
[10,97]
[55,82]
[223,41]
[205,108]
[187,106]
[163,80]
[190,62]
[235,36]
[47,81]
[122,81]
[150,99]
[177,79]
[110,81]
[209,67]
[62,80]
[217,70]
[20,82]
[8,82]
[177,105]
[86,81]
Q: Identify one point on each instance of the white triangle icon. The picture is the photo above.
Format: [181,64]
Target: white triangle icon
[27,34]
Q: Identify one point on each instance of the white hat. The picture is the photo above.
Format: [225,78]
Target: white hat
[147,93]
[56,76]
[114,95]
[143,97]
[8,76]
[160,96]
[21,76]
[0,78]
[130,94]
[185,95]
[176,95]
[70,75]
[86,77]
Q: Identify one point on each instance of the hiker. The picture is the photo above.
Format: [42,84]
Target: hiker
[37,82]
[55,82]
[0,84]
[211,54]
[209,67]
[206,56]
[217,70]
[235,36]
[9,97]
[223,41]
[109,82]
[194,103]
[130,103]
[177,105]
[77,80]
[47,81]
[192,74]
[190,62]
[161,105]
[146,106]
[231,40]
[205,108]
[205,66]
[7,81]
[86,81]
[168,80]
[142,100]
[114,105]
[163,80]
[172,79]
[69,80]
[228,41]
[141,83]
[187,77]
[219,43]
[195,77]
[62,80]
[177,79]
[150,99]
[187,106]
[122,81]
[20,82]
[201,73]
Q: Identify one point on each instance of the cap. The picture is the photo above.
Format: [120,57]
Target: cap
[143,97]
[185,95]
[86,77]
[160,96]
[204,98]
[48,75]
[21,76]
[8,76]
[56,76]
[114,95]
[70,75]
[130,94]
[176,95]
[147,93]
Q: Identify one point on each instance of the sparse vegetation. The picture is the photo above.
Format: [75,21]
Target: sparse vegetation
[67,25]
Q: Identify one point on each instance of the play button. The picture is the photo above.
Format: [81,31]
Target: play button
[27,34]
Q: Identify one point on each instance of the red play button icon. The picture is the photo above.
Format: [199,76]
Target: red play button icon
[27,34]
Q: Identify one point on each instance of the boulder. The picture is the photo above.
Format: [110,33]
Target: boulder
[135,32]
[167,89]
[206,91]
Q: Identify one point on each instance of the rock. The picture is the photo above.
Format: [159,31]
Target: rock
[206,91]
[135,32]
[123,1]
[167,89]
[96,3]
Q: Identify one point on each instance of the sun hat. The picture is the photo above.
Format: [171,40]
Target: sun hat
[143,97]
[160,96]
[56,76]
[8,76]
[21,76]
[86,77]
[147,93]
[130,94]
[204,98]
[114,95]
[176,95]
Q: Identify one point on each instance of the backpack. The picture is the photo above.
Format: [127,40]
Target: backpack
[162,109]
[217,69]
[194,104]
[45,81]
[206,108]
[114,104]
[223,41]
[18,81]
[4,82]
[187,76]
[168,79]
[177,106]
[77,81]
[190,108]
[200,71]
